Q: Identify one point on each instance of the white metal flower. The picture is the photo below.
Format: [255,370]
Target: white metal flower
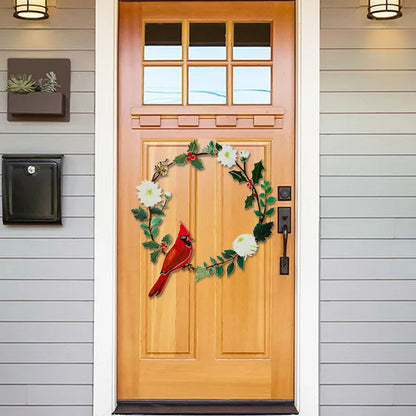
[168,195]
[245,245]
[227,156]
[244,155]
[149,193]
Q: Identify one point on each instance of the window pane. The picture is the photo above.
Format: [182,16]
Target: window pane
[207,85]
[252,41]
[163,41]
[162,85]
[207,41]
[251,85]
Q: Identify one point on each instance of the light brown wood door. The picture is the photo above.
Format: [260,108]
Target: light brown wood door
[219,338]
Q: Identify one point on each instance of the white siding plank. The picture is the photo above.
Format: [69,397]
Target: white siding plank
[61,269]
[367,411]
[59,395]
[368,80]
[378,290]
[368,332]
[46,353]
[368,207]
[52,39]
[13,395]
[353,395]
[78,185]
[46,332]
[368,311]
[368,268]
[368,353]
[31,248]
[45,374]
[46,410]
[46,311]
[32,290]
[368,373]
[405,395]
[359,228]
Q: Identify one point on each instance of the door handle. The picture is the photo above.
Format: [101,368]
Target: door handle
[284,229]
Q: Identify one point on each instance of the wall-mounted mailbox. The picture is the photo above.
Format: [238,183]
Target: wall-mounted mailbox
[32,189]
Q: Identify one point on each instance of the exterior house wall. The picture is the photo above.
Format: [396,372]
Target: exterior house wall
[368,212]
[46,272]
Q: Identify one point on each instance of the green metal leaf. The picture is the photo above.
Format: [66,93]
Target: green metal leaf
[230,268]
[150,244]
[262,231]
[237,176]
[269,212]
[240,262]
[167,239]
[155,231]
[197,164]
[154,255]
[258,213]
[220,258]
[213,261]
[193,146]
[145,226]
[271,200]
[249,201]
[140,213]
[155,221]
[257,172]
[180,159]
[219,270]
[146,233]
[218,146]
[156,211]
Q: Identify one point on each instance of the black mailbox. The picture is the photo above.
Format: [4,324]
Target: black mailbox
[32,189]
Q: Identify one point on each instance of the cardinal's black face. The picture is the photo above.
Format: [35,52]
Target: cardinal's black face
[185,238]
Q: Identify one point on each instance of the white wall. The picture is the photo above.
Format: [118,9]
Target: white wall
[368,211]
[46,272]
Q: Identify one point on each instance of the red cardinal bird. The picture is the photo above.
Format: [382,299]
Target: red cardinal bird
[177,256]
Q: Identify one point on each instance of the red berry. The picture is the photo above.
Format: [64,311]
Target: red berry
[255,195]
[193,157]
[188,159]
[196,157]
[189,153]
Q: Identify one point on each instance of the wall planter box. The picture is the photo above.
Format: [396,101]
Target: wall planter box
[37,103]
[40,106]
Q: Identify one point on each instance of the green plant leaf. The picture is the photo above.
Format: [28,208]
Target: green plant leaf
[144,226]
[263,186]
[146,233]
[220,258]
[257,172]
[268,190]
[249,201]
[219,270]
[155,231]
[167,239]
[218,146]
[156,211]
[237,176]
[154,255]
[150,244]
[258,213]
[262,204]
[240,262]
[193,146]
[197,164]
[180,159]
[205,264]
[211,271]
[271,200]
[155,221]
[213,261]
[269,212]
[140,213]
[262,231]
[262,195]
[210,148]
[230,268]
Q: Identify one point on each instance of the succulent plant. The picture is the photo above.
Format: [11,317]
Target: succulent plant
[21,84]
[49,84]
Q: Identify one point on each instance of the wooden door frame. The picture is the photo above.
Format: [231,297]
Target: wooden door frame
[307,208]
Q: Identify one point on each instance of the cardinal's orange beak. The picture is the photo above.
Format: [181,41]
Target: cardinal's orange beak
[190,238]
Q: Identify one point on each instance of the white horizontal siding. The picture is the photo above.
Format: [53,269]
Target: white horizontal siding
[368,212]
[46,272]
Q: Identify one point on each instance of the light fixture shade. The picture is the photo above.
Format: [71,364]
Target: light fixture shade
[31,9]
[384,9]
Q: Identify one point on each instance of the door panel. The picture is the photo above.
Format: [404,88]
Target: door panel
[228,338]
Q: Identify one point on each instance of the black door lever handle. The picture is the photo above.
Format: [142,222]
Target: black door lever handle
[284,261]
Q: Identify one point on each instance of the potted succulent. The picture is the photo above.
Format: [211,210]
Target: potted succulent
[30,97]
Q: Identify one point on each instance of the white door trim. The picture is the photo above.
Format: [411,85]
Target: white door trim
[307,215]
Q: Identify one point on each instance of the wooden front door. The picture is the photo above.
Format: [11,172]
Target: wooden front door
[233,83]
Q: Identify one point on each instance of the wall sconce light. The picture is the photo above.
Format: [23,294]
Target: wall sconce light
[384,9]
[31,9]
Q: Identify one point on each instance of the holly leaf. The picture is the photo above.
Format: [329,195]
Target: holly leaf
[219,270]
[269,212]
[262,231]
[155,221]
[193,146]
[258,213]
[240,262]
[154,255]
[256,173]
[150,244]
[271,200]
[249,201]
[180,159]
[237,176]
[230,268]
[197,164]
[167,239]
[218,146]
[156,211]
[140,213]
